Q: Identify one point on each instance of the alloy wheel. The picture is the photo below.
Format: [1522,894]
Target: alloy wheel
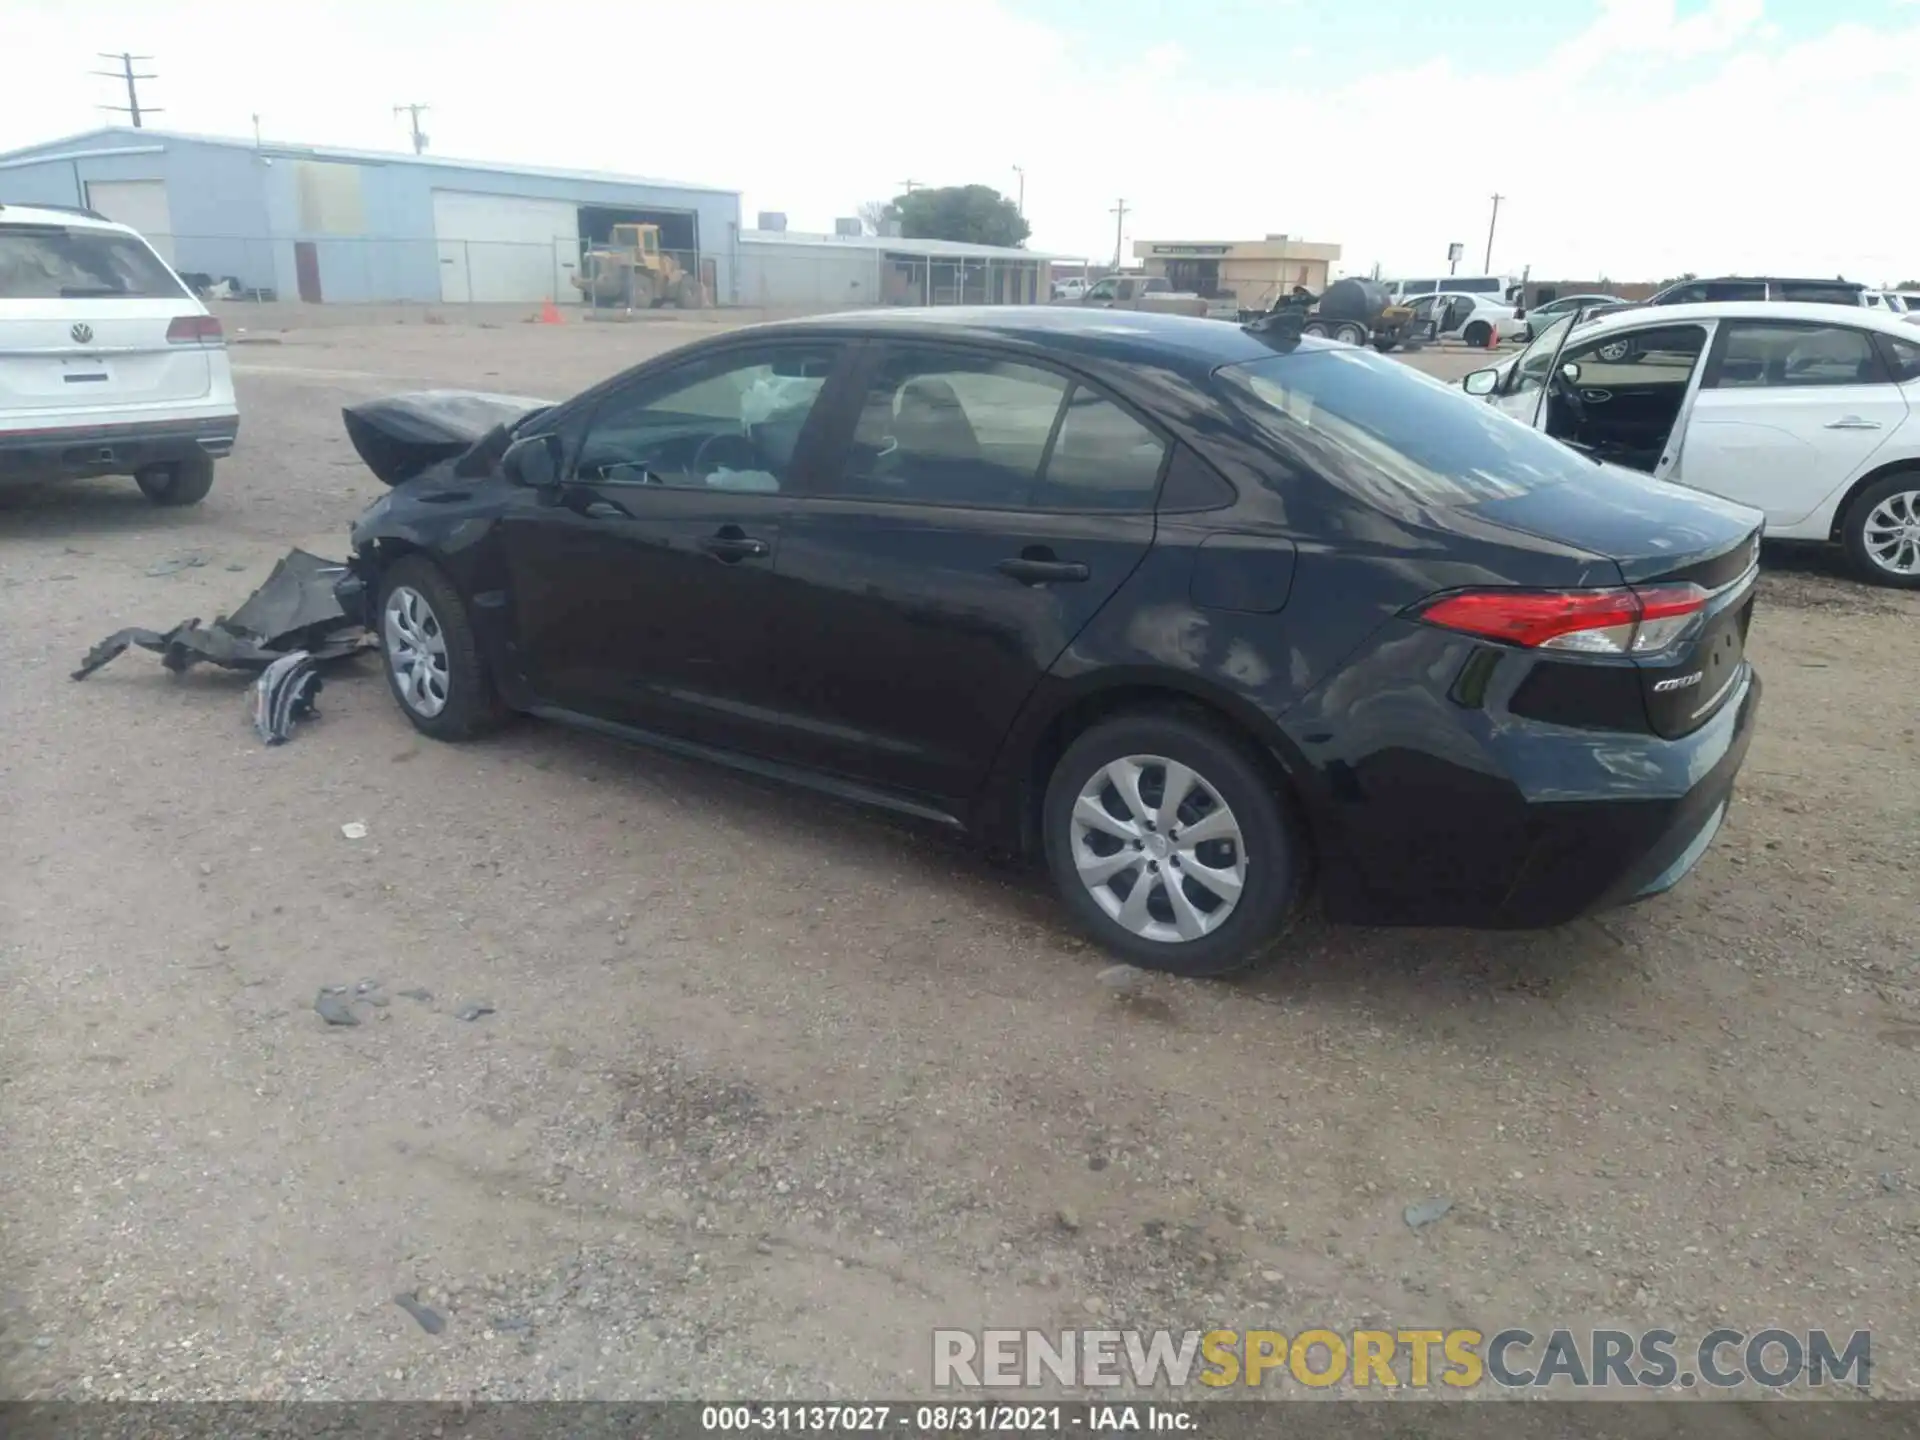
[1891,533]
[416,649]
[1158,848]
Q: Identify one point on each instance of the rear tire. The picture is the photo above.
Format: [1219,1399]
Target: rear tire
[178,482]
[1874,527]
[1350,334]
[1314,327]
[1477,334]
[1237,886]
[420,618]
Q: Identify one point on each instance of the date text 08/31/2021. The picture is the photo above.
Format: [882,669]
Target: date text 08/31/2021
[946,1418]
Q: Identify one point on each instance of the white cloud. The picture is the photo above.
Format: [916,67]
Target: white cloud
[1656,142]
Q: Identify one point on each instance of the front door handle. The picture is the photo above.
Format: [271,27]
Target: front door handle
[731,544]
[604,510]
[1852,422]
[1042,569]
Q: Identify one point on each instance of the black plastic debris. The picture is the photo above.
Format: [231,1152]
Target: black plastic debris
[333,1006]
[283,694]
[429,1318]
[294,610]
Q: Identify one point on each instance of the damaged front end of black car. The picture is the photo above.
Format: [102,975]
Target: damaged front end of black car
[428,445]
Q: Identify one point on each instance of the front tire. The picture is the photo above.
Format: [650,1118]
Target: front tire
[1882,532]
[1315,328]
[1351,334]
[1171,845]
[433,664]
[1477,334]
[178,482]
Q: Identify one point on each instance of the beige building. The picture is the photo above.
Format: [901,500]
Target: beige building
[1254,272]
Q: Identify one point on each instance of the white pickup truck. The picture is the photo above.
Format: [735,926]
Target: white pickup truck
[1138,292]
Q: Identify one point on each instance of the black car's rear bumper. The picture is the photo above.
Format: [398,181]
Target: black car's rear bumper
[1528,825]
[73,452]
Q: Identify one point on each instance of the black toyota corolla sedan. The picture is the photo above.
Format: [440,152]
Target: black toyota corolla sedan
[1208,616]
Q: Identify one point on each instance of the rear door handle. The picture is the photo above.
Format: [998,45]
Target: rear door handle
[1852,422]
[731,544]
[1032,571]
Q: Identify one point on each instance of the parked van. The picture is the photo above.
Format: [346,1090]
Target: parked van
[1506,287]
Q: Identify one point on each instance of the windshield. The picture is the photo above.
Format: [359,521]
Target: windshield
[1390,434]
[51,262]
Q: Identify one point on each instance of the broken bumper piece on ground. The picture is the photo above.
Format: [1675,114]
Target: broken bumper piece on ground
[294,611]
[283,694]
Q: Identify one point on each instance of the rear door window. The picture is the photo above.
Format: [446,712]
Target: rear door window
[1102,459]
[948,427]
[55,262]
[1737,290]
[1765,354]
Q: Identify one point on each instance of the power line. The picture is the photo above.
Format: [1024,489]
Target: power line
[413,114]
[1119,213]
[1487,268]
[132,108]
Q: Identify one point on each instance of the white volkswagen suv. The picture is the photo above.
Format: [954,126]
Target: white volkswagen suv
[108,364]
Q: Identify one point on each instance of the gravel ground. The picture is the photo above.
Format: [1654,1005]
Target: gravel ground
[772,1088]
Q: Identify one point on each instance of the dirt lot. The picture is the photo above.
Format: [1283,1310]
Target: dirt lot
[773,1088]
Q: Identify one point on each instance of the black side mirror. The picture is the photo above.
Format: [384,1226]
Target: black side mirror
[533,461]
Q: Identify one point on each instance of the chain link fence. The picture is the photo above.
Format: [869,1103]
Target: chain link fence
[606,279]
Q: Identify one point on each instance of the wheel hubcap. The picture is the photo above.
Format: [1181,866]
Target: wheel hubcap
[416,651]
[1158,848]
[1892,533]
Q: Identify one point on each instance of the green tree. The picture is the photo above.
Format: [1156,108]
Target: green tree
[1678,279]
[975,214]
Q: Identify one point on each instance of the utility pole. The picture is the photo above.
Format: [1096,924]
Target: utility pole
[1487,268]
[1119,213]
[413,113]
[256,132]
[1021,172]
[132,108]
[907,187]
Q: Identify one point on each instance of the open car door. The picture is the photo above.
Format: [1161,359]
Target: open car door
[1626,397]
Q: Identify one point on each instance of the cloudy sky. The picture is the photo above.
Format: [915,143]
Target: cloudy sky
[1632,139]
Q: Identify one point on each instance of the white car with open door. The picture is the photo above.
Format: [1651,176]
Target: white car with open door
[1458,315]
[1803,411]
[109,365]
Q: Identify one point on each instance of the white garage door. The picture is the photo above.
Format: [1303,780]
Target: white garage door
[139,203]
[501,247]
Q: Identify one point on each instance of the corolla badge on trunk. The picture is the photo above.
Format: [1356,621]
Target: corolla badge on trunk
[1679,682]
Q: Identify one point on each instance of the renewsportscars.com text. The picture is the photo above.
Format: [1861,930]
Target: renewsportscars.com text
[1441,1360]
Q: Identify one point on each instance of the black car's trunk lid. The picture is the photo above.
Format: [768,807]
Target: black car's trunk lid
[400,436]
[1672,545]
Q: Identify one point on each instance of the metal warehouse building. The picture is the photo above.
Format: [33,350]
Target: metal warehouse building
[783,269]
[325,224]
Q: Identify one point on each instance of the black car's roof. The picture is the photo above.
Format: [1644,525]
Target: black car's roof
[1178,342]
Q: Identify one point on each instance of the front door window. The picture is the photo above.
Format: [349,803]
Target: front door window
[729,423]
[1620,396]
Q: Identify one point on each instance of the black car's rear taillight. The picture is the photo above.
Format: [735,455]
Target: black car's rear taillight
[1617,621]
